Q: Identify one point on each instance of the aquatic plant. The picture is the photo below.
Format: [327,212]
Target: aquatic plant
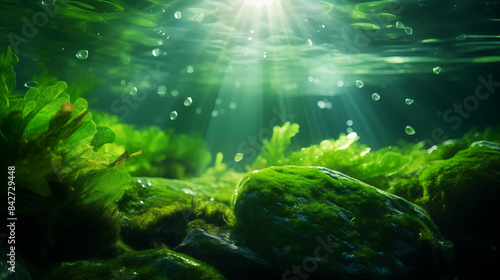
[164,153]
[273,150]
[65,190]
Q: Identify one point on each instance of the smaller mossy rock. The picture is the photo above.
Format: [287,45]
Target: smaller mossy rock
[315,223]
[218,250]
[158,212]
[462,195]
[143,265]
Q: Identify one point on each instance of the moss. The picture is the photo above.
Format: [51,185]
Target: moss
[302,203]
[144,265]
[460,191]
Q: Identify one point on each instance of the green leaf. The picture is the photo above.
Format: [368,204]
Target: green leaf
[28,107]
[7,79]
[104,135]
[40,122]
[105,186]
[44,97]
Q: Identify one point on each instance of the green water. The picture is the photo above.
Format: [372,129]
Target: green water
[246,63]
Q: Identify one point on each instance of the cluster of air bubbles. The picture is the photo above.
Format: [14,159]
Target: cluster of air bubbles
[82,54]
[311,79]
[238,157]
[360,83]
[30,84]
[436,70]
[376,96]
[324,104]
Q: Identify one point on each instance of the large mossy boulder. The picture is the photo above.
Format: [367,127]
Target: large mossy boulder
[462,195]
[315,223]
[144,265]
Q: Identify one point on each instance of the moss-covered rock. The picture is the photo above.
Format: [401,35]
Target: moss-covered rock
[144,265]
[159,212]
[462,195]
[220,251]
[315,223]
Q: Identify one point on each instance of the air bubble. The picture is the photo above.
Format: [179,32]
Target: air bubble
[30,84]
[82,54]
[162,90]
[48,2]
[399,25]
[133,91]
[436,70]
[409,130]
[190,69]
[461,37]
[359,83]
[178,15]
[173,115]
[156,52]
[376,96]
[408,30]
[238,157]
[188,101]
[409,101]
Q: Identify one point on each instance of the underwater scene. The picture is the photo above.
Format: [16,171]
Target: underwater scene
[249,139]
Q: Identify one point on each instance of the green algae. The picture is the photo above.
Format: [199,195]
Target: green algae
[160,264]
[303,203]
[164,153]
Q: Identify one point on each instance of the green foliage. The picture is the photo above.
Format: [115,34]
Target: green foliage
[59,178]
[273,151]
[164,153]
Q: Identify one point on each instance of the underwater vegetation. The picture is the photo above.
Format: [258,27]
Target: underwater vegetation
[106,198]
[65,191]
[163,152]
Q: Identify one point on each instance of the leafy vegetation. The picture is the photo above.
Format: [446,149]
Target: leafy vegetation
[48,140]
[163,153]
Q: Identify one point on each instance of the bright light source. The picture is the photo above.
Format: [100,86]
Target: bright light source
[259,3]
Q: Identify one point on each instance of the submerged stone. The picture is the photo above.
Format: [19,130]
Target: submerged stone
[234,261]
[462,194]
[316,223]
[143,265]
